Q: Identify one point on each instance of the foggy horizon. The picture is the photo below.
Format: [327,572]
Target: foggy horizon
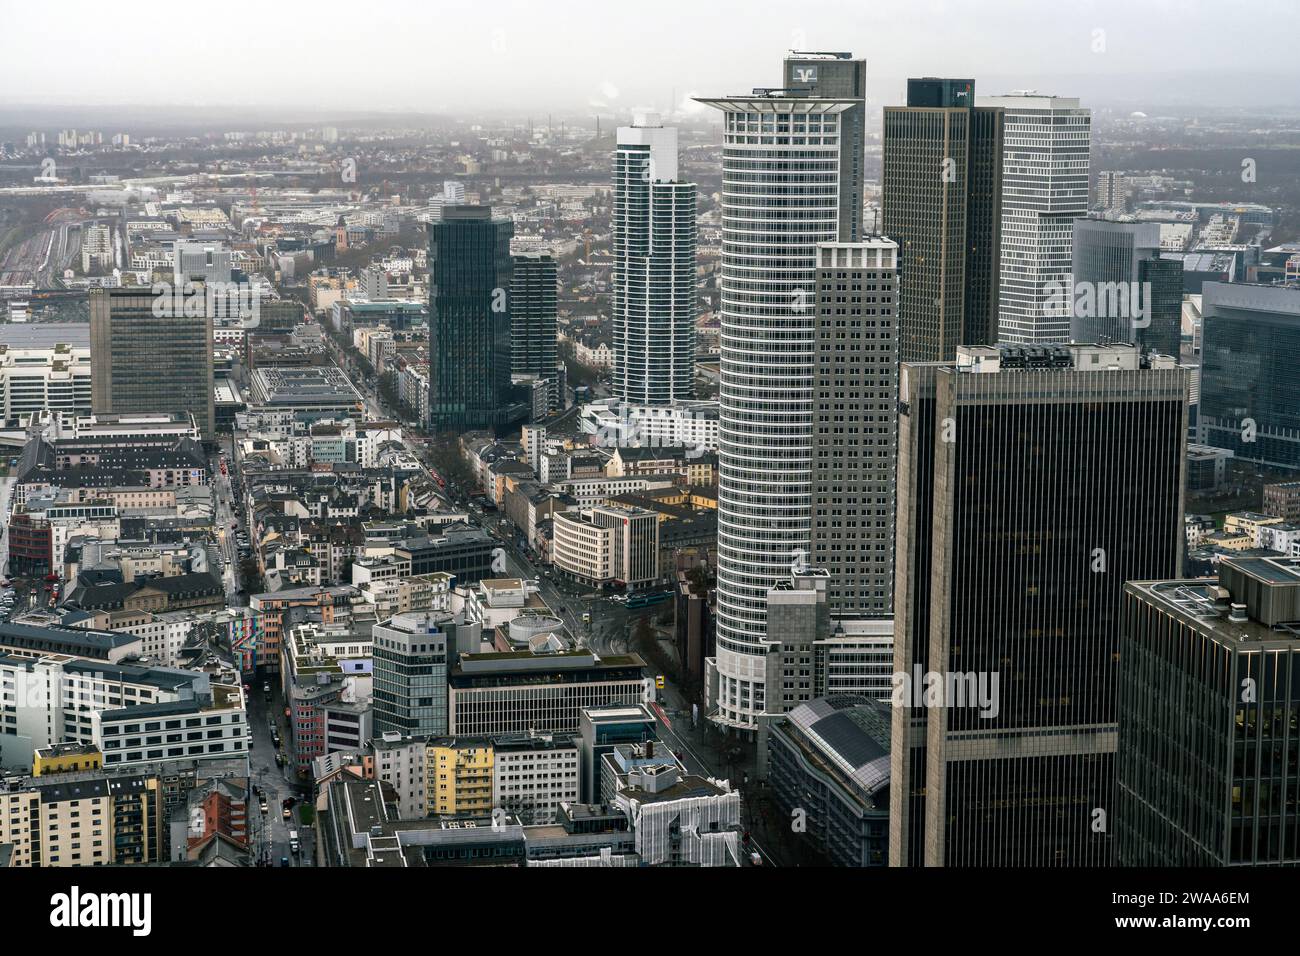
[595,59]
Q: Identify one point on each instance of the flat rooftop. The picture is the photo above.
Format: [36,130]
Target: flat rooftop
[1256,600]
[40,335]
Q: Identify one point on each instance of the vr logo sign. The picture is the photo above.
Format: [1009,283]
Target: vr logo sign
[805,74]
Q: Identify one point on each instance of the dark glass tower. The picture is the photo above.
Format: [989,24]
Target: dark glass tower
[1250,372]
[931,92]
[943,206]
[148,355]
[1123,291]
[470,275]
[1209,696]
[1056,475]
[532,316]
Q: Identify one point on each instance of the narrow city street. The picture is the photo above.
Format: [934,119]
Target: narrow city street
[270,832]
[6,491]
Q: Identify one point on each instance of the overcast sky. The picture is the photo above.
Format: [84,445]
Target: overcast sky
[612,55]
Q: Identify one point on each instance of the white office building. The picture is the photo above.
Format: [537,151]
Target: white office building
[791,157]
[532,774]
[35,378]
[1044,188]
[652,228]
[97,255]
[682,424]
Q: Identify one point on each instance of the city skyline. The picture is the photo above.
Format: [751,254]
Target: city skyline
[592,437]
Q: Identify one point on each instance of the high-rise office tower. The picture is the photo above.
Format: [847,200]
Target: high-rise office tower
[1053,476]
[1123,290]
[1208,686]
[1044,188]
[152,352]
[791,169]
[942,204]
[1113,190]
[412,653]
[532,317]
[470,275]
[855,394]
[652,230]
[1250,373]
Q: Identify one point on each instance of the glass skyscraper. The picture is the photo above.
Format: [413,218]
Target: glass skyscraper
[942,204]
[1208,708]
[1123,291]
[1250,372]
[533,320]
[470,274]
[148,354]
[1032,483]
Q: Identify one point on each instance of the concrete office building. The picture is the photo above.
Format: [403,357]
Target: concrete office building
[680,819]
[518,692]
[1208,681]
[532,774]
[1123,290]
[1045,161]
[1032,484]
[692,425]
[401,762]
[791,178]
[652,240]
[209,727]
[200,262]
[470,273]
[601,545]
[44,378]
[1250,372]
[142,362]
[942,204]
[855,394]
[810,654]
